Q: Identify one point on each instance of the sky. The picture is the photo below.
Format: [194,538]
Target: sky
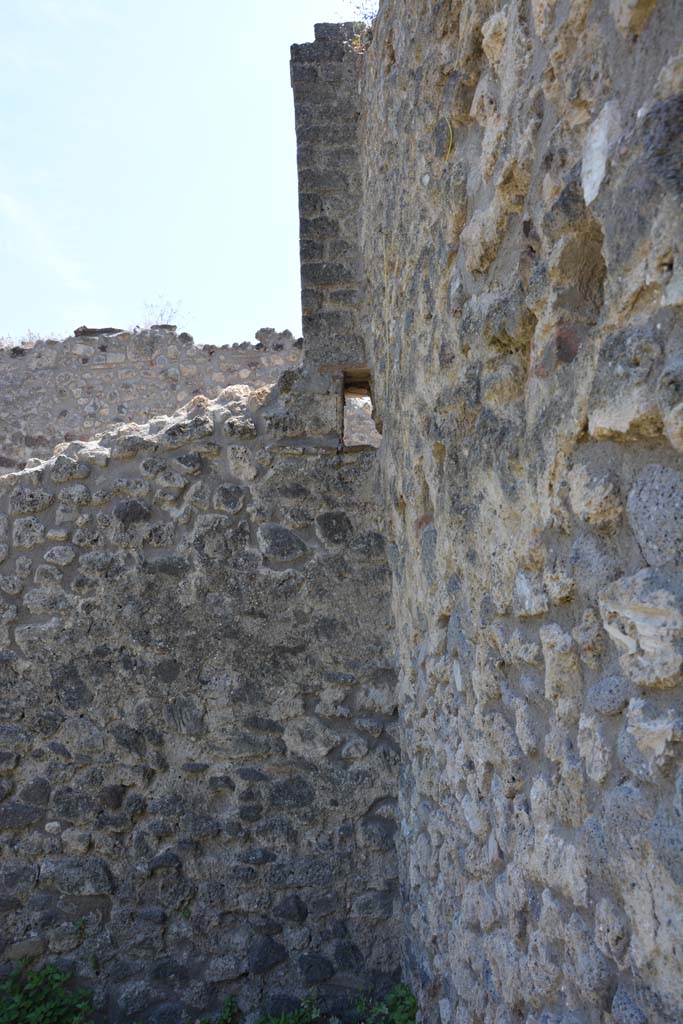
[148,164]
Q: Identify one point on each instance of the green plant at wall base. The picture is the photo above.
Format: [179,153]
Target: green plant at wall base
[308,1013]
[230,1014]
[41,997]
[399,1007]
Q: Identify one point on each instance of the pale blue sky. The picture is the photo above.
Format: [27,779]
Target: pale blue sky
[147,150]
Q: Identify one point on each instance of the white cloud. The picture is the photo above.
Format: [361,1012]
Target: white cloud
[42,245]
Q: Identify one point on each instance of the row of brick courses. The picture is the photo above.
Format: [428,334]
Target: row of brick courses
[327,109]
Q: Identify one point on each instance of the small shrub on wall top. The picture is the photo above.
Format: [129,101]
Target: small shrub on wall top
[370,11]
[366,11]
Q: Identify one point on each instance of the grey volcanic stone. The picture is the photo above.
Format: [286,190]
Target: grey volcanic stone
[28,532]
[71,690]
[280,544]
[334,527]
[624,1010]
[36,792]
[610,695]
[655,513]
[132,511]
[167,1013]
[24,501]
[291,908]
[348,957]
[292,793]
[16,815]
[592,972]
[315,968]
[130,739]
[265,954]
[281,1003]
[229,498]
[78,876]
[165,861]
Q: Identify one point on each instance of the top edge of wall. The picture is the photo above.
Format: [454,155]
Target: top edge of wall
[158,337]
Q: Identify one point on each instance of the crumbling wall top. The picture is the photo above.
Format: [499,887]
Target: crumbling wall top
[55,391]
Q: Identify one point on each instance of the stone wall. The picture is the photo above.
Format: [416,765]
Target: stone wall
[522,227]
[198,744]
[54,391]
[198,752]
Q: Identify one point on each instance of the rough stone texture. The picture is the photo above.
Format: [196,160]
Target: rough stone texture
[522,226]
[56,391]
[198,751]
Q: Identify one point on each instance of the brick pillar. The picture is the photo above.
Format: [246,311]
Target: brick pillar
[325,80]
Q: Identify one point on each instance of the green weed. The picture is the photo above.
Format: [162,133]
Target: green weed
[399,1007]
[230,1014]
[41,997]
[308,1013]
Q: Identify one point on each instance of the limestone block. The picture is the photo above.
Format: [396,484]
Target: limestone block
[631,16]
[493,36]
[601,136]
[560,865]
[563,682]
[643,615]
[529,598]
[595,499]
[590,970]
[625,403]
[594,748]
[240,463]
[527,733]
[307,738]
[670,394]
[655,734]
[670,80]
